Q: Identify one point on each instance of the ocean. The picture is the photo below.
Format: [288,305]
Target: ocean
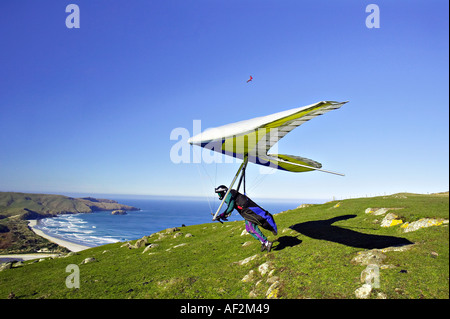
[100,228]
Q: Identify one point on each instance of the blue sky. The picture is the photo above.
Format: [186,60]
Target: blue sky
[90,110]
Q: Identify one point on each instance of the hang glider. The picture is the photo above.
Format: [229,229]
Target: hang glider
[251,78]
[251,140]
[255,137]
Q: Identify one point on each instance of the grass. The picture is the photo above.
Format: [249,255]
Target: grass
[312,259]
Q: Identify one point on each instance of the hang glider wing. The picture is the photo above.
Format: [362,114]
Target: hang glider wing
[255,137]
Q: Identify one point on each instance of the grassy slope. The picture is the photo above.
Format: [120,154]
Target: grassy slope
[308,267]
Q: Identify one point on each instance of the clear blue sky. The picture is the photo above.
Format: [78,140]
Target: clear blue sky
[90,110]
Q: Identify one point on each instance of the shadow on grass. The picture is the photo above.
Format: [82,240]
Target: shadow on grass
[287,241]
[323,229]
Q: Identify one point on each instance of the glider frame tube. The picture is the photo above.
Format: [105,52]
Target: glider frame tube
[243,165]
[314,168]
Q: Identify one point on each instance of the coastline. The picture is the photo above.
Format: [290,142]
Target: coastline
[61,242]
[24,257]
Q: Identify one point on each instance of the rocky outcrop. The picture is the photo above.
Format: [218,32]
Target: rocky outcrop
[265,283]
[370,276]
[118,212]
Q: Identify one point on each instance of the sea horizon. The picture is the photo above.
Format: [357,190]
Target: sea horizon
[120,196]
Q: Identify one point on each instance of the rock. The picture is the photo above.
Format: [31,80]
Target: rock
[151,246]
[273,279]
[397,248]
[244,232]
[128,245]
[88,260]
[247,243]
[305,205]
[247,260]
[147,248]
[188,235]
[363,292]
[180,245]
[249,276]
[380,211]
[381,295]
[263,268]
[140,243]
[172,230]
[423,223]
[118,212]
[178,235]
[4,266]
[390,220]
[272,292]
[161,236]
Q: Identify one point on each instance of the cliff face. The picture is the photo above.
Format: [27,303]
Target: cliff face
[36,206]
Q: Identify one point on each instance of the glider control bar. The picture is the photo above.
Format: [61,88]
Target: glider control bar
[243,165]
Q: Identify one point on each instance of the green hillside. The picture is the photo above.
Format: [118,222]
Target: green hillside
[17,208]
[322,251]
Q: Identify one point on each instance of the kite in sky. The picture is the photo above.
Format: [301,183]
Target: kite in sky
[251,78]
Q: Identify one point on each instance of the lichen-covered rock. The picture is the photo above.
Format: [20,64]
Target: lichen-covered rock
[390,220]
[272,292]
[423,223]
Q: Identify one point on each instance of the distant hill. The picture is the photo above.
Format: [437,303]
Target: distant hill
[36,206]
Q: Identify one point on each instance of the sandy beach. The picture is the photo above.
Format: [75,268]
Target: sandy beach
[64,243]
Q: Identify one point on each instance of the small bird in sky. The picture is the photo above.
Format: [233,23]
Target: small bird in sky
[251,78]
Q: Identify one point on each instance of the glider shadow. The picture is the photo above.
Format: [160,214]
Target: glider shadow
[323,229]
